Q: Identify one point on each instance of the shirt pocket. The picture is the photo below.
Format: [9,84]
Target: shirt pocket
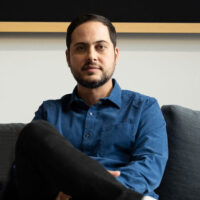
[116,140]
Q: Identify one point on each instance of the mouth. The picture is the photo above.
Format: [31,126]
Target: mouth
[91,67]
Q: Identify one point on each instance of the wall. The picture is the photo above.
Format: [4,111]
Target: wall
[33,69]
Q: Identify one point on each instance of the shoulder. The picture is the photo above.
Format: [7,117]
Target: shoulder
[48,108]
[50,103]
[137,99]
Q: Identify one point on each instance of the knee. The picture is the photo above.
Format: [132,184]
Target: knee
[37,124]
[34,128]
[33,135]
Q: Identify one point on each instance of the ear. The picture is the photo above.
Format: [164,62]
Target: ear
[116,54]
[67,53]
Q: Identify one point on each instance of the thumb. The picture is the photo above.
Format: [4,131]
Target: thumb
[114,173]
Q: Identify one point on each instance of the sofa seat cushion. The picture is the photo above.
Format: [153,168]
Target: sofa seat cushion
[182,175]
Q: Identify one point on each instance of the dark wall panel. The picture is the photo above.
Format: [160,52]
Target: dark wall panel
[115,10]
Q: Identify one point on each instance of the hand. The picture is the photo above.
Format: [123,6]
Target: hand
[62,196]
[114,173]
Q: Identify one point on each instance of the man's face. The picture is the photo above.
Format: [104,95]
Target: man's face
[92,57]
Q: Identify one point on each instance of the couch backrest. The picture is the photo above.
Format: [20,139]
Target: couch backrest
[181,179]
[8,137]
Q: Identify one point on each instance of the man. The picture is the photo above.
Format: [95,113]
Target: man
[114,144]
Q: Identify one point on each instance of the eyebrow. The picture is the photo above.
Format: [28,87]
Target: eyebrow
[85,43]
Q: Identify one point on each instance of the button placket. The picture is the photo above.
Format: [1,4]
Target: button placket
[88,134]
[89,130]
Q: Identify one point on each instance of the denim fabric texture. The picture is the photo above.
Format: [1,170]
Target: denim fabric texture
[125,131]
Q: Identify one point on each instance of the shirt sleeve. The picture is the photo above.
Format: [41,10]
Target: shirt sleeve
[40,114]
[149,153]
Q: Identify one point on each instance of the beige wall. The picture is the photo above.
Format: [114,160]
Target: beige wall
[33,69]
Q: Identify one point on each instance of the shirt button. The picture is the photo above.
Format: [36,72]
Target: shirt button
[87,135]
[91,113]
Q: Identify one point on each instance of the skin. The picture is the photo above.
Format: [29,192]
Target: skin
[91,44]
[91,57]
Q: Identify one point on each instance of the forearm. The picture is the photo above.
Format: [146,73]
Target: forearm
[143,176]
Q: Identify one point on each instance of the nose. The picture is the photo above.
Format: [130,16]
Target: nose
[92,54]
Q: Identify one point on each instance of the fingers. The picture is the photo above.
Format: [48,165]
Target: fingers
[58,196]
[114,173]
[62,196]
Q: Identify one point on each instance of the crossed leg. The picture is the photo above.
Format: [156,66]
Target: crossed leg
[47,163]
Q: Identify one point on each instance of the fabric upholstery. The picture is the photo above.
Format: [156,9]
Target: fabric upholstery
[182,175]
[8,137]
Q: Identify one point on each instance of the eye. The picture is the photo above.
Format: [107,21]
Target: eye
[101,47]
[80,48]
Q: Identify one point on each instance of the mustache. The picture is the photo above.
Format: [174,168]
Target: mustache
[91,64]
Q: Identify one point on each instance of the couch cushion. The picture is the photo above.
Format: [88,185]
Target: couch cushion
[8,136]
[182,175]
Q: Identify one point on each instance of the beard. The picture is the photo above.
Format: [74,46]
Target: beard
[92,84]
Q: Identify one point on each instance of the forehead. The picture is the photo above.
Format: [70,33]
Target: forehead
[90,32]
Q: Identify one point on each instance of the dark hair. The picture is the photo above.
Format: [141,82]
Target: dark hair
[90,17]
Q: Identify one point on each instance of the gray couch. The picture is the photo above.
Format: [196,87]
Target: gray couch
[181,179]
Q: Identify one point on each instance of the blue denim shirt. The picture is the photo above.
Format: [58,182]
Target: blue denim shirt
[125,131]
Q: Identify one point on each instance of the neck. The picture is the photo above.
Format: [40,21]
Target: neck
[92,96]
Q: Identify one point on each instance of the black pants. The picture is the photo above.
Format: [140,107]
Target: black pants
[47,163]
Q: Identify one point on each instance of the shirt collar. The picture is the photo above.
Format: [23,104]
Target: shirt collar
[114,97]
